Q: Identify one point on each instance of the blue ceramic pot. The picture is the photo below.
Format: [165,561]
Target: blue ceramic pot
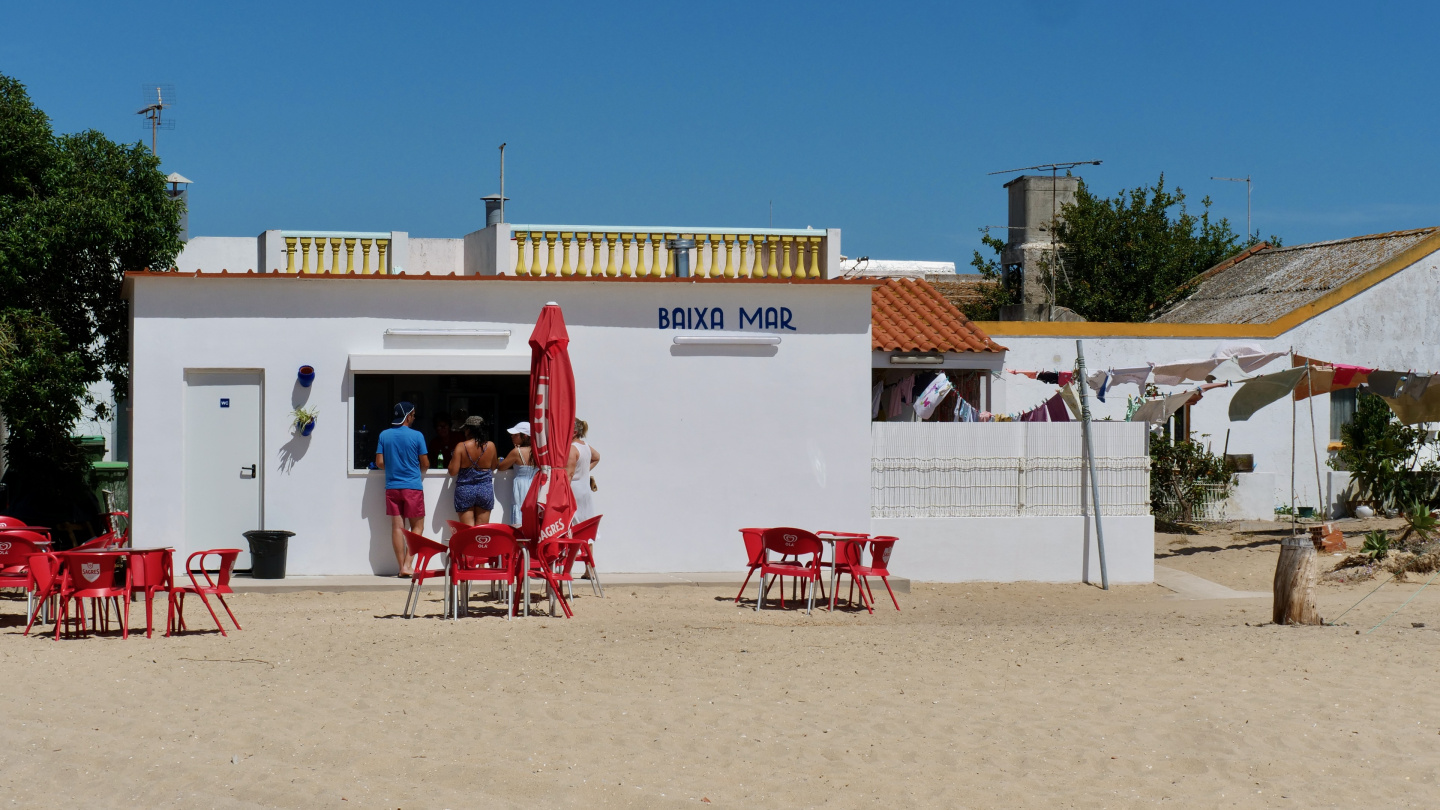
[307,375]
[308,429]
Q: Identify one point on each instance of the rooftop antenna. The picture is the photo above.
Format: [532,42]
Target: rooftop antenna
[502,182]
[164,99]
[1054,186]
[1246,181]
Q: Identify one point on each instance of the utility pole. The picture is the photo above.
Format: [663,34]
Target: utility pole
[502,182]
[1248,186]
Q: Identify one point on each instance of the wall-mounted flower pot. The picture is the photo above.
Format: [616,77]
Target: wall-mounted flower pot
[307,376]
[308,429]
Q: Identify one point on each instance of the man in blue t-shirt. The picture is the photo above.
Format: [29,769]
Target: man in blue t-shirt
[401,454]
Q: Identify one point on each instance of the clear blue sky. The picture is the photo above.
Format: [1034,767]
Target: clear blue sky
[878,118]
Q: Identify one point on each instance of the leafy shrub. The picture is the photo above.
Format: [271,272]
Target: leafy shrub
[1384,458]
[1182,474]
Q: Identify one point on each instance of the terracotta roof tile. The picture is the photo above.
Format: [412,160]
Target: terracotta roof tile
[913,316]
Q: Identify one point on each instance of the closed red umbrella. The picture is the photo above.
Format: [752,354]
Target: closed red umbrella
[550,503]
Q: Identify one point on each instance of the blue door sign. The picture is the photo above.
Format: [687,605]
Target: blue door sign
[224,402]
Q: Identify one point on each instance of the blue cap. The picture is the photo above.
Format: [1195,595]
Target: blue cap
[402,410]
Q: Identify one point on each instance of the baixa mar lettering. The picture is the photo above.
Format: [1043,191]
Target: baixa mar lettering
[714,318]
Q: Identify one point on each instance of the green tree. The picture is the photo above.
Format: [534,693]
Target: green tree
[997,293]
[1124,259]
[76,213]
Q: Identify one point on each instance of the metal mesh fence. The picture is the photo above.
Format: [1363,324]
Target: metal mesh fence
[933,470]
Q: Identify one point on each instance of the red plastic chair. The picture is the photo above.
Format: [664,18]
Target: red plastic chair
[880,549]
[553,559]
[790,542]
[754,552]
[150,573]
[7,522]
[92,575]
[849,560]
[110,528]
[217,587]
[423,549]
[586,531]
[105,542]
[46,582]
[484,553]
[16,548]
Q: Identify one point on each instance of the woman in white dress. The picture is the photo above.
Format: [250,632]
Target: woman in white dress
[583,459]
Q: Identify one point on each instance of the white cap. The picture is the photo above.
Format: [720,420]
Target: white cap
[522,428]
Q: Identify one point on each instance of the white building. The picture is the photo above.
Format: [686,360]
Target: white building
[1367,301]
[737,396]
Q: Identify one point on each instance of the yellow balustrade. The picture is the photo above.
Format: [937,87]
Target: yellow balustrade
[610,270]
[582,265]
[814,257]
[365,256]
[380,246]
[700,270]
[550,268]
[627,254]
[641,269]
[730,255]
[772,271]
[657,244]
[566,268]
[290,254]
[349,255]
[747,259]
[305,244]
[670,254]
[717,265]
[521,238]
[785,242]
[537,238]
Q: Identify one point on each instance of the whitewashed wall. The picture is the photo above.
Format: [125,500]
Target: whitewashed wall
[1394,325]
[697,442]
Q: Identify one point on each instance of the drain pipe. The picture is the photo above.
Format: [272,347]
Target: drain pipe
[681,248]
[1090,455]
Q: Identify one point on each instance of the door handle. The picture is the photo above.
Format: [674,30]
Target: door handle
[250,470]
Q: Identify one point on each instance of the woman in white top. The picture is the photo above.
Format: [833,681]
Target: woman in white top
[583,459]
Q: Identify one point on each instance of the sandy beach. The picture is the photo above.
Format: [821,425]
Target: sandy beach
[972,696]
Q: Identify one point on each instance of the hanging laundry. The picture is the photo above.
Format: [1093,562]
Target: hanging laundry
[875,398]
[1414,411]
[1237,350]
[1248,356]
[1030,374]
[1385,383]
[1159,411]
[986,416]
[1178,373]
[1055,408]
[1136,376]
[966,412]
[1320,380]
[1253,362]
[932,395]
[1071,401]
[1258,392]
[1346,376]
[1415,386]
[1048,377]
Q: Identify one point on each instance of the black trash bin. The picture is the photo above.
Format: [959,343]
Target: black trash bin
[267,553]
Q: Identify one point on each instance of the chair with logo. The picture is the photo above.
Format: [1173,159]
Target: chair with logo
[93,575]
[150,573]
[849,559]
[790,542]
[46,582]
[880,548]
[16,548]
[216,586]
[553,560]
[423,549]
[585,532]
[485,553]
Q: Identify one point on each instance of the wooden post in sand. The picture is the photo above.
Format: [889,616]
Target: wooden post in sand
[1295,576]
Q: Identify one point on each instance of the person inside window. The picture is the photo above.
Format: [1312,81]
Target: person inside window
[523,462]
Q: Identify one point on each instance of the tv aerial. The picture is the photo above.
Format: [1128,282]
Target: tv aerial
[157,98]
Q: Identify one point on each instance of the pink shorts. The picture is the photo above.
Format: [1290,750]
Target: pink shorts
[408,503]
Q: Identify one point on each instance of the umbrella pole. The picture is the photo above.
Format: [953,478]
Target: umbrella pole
[1082,384]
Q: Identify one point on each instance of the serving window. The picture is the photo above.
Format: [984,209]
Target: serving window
[442,403]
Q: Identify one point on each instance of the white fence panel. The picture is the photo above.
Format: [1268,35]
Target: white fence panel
[983,469]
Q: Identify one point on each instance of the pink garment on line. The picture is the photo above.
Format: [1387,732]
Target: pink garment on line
[1344,374]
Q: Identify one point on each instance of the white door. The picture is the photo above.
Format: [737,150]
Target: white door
[222,461]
